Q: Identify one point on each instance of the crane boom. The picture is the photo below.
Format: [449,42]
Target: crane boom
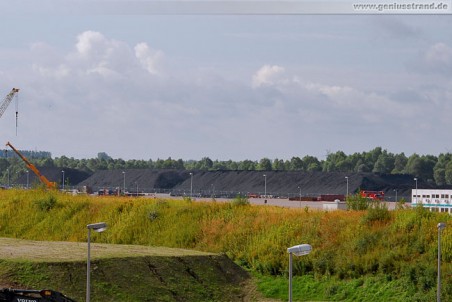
[8,100]
[42,178]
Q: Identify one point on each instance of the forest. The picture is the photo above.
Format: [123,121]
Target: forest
[434,169]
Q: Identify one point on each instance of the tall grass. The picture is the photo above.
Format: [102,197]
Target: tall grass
[346,244]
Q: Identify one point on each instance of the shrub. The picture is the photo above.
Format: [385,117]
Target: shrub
[357,203]
[240,201]
[401,204]
[377,211]
[46,204]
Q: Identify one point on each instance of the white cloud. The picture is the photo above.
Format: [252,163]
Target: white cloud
[148,58]
[102,91]
[439,55]
[436,59]
[267,75]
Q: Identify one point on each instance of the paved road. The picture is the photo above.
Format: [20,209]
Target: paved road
[280,202]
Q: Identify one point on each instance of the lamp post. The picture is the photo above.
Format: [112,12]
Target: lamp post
[27,178]
[7,170]
[395,190]
[346,177]
[124,181]
[63,179]
[297,250]
[299,187]
[98,227]
[191,185]
[415,179]
[441,226]
[265,186]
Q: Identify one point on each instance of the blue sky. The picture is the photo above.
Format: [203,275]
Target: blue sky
[238,87]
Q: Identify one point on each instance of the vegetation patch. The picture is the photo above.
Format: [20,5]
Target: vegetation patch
[355,254]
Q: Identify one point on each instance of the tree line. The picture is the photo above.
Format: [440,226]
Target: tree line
[435,169]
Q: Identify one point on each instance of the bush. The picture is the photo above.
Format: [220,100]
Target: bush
[240,201]
[47,203]
[357,202]
[377,211]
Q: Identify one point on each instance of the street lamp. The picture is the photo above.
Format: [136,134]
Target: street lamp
[441,226]
[297,250]
[7,170]
[97,227]
[300,195]
[265,186]
[395,190]
[63,179]
[346,177]
[124,181]
[191,185]
[415,179]
[27,178]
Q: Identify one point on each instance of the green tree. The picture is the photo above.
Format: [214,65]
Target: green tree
[278,165]
[413,165]
[103,156]
[247,165]
[311,163]
[384,163]
[335,162]
[205,164]
[439,170]
[265,164]
[448,173]
[296,164]
[400,161]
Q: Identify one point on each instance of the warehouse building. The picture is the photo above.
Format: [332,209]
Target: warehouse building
[436,200]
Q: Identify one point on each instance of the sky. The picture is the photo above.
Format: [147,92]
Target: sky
[146,86]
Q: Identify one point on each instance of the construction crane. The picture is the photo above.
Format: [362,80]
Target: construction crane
[42,178]
[7,101]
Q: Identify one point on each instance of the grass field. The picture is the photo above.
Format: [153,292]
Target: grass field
[355,253]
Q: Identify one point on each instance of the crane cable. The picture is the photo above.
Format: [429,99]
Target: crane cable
[17,110]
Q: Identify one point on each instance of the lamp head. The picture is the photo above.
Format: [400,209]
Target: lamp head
[300,250]
[98,227]
[441,225]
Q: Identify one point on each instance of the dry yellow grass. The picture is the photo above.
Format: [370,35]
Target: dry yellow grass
[57,251]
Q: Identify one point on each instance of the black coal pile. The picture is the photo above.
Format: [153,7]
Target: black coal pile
[230,183]
[72,177]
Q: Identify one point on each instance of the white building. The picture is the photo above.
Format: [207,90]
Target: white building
[435,200]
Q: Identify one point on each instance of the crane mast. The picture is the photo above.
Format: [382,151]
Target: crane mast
[42,178]
[7,101]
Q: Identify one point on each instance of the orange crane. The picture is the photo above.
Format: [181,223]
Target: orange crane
[42,178]
[7,101]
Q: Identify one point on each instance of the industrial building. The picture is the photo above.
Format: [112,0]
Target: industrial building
[437,200]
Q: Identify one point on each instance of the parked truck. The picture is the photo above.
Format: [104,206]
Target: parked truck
[373,195]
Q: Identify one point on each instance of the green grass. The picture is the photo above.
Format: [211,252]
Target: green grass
[395,255]
[366,288]
[146,278]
